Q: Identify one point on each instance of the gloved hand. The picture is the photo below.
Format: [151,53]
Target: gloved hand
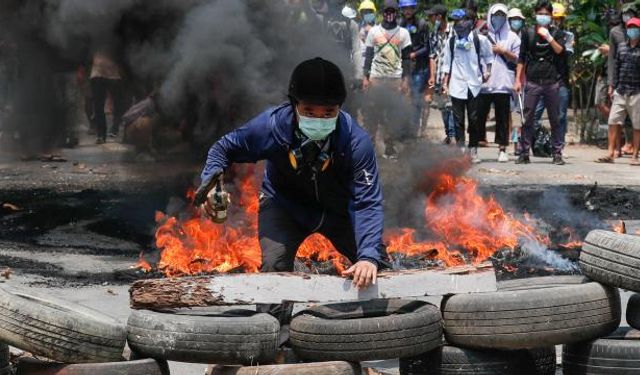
[205,187]
[545,34]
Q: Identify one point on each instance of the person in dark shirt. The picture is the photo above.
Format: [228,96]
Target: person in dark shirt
[540,54]
[419,31]
[626,91]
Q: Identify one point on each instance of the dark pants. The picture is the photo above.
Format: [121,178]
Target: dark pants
[280,236]
[502,103]
[534,92]
[470,106]
[99,89]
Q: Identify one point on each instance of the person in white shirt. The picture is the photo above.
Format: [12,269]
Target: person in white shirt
[467,65]
[386,73]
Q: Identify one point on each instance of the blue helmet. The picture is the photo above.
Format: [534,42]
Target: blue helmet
[408,3]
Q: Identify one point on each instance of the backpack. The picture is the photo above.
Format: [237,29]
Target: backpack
[476,44]
[542,143]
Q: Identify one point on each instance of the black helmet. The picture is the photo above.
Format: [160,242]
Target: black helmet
[317,81]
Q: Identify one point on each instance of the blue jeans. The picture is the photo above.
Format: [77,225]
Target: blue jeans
[563,95]
[418,86]
[449,123]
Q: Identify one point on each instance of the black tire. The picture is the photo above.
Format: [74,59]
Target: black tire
[4,355]
[612,259]
[32,366]
[59,330]
[319,368]
[366,331]
[617,354]
[229,337]
[450,360]
[531,318]
[633,311]
[541,282]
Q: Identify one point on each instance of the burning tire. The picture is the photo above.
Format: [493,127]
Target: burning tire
[612,259]
[229,337]
[530,318]
[60,330]
[33,366]
[366,331]
[633,311]
[450,360]
[541,282]
[616,354]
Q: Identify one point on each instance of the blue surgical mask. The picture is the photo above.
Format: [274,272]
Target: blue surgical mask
[436,25]
[517,24]
[498,21]
[543,19]
[369,18]
[633,33]
[315,128]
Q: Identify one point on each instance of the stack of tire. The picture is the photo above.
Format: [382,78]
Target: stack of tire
[612,259]
[68,333]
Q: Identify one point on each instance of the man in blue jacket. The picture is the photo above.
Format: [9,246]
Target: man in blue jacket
[321,174]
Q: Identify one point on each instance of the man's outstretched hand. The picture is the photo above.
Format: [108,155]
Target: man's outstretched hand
[364,274]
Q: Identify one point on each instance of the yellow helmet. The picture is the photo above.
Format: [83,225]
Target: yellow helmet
[367,5]
[559,10]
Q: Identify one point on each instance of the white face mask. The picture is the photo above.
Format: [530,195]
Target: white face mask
[315,128]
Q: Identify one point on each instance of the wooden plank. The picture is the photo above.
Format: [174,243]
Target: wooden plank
[316,368]
[268,288]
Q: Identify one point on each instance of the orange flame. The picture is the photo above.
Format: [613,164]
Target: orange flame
[461,219]
[620,227]
[458,220]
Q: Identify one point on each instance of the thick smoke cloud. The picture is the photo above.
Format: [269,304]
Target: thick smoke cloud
[217,61]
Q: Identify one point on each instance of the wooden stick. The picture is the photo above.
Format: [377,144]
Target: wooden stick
[271,288]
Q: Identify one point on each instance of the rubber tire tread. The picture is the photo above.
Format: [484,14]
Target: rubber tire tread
[612,259]
[246,338]
[610,355]
[59,330]
[531,318]
[378,330]
[450,360]
[633,311]
[541,282]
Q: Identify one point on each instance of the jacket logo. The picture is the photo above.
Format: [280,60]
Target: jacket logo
[367,178]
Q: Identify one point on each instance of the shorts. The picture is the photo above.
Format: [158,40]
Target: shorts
[624,105]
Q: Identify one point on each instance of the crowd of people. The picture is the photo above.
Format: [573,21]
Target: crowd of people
[465,65]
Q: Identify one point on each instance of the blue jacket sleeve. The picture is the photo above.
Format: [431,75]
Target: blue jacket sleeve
[250,143]
[366,200]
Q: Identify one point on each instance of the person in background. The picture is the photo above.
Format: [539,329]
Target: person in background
[559,15]
[498,89]
[517,23]
[106,79]
[540,56]
[626,91]
[419,31]
[618,35]
[386,74]
[440,35]
[467,65]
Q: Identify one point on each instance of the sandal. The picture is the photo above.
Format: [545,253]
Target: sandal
[635,162]
[605,159]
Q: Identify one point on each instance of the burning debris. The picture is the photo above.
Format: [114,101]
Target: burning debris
[461,226]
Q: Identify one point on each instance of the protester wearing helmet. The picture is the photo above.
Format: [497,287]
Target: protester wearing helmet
[367,10]
[321,174]
[498,89]
[559,14]
[467,65]
[386,73]
[419,31]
